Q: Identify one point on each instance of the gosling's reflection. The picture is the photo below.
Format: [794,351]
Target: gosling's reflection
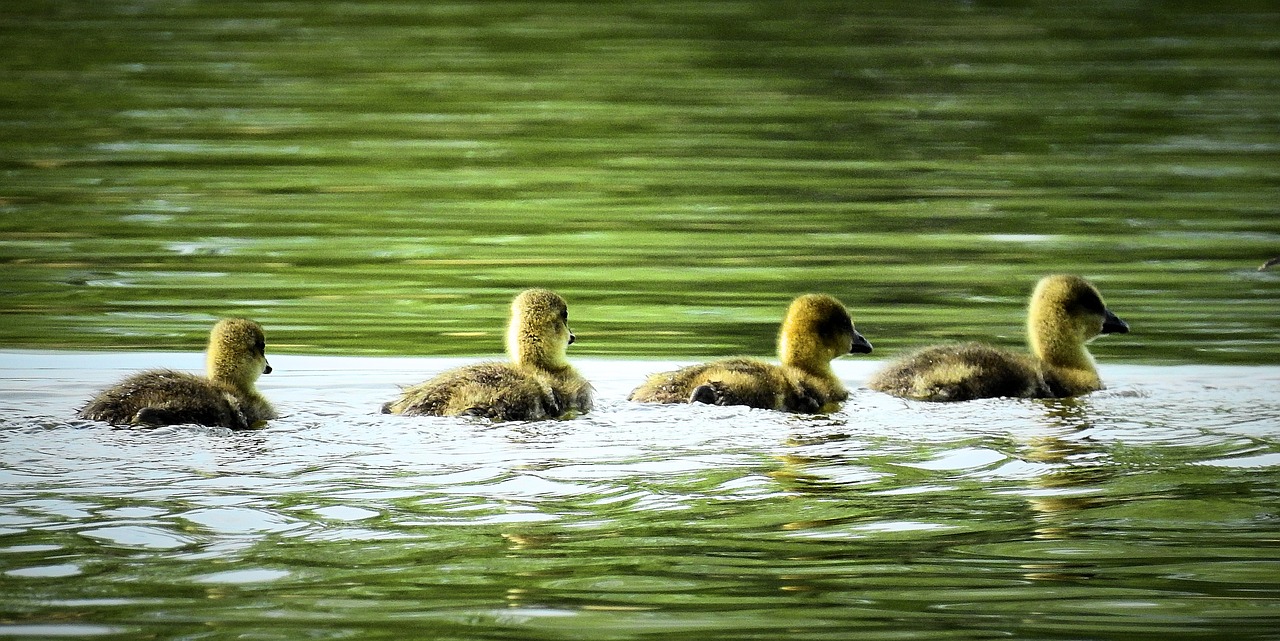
[796,474]
[880,488]
[1058,498]
[1077,463]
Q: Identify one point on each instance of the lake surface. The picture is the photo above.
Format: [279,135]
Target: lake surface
[374,181]
[381,177]
[1146,510]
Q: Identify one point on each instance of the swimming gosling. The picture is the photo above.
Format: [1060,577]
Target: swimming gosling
[537,384]
[225,398]
[817,329]
[1065,313]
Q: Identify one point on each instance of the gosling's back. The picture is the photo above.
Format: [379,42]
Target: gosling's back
[496,391]
[961,372]
[166,397]
[733,381]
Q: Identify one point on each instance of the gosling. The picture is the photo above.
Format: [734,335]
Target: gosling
[1065,313]
[817,329]
[537,384]
[225,398]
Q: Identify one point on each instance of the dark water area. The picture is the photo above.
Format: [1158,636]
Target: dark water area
[381,177]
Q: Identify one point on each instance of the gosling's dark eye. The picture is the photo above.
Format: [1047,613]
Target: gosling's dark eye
[1089,302]
[834,327]
[260,345]
[564,315]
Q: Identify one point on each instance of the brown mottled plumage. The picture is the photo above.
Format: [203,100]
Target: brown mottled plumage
[225,398]
[1064,314]
[817,329]
[537,384]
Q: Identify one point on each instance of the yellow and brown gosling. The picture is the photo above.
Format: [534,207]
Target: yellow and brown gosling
[1065,313]
[538,383]
[225,397]
[817,329]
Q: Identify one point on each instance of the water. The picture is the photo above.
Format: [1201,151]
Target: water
[1144,510]
[377,179]
[381,177]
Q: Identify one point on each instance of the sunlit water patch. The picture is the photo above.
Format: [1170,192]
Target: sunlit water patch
[1147,508]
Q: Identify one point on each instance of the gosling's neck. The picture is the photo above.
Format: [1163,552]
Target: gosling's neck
[804,355]
[532,352]
[1064,356]
[224,371]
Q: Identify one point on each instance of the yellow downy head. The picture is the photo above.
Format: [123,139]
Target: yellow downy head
[1065,313]
[816,330]
[237,353]
[538,334]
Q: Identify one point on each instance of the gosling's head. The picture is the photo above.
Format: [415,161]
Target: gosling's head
[539,331]
[1067,311]
[237,352]
[816,330]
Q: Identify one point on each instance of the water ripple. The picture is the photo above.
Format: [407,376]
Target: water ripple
[638,508]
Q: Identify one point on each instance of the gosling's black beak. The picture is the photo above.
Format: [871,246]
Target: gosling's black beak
[860,344]
[572,338]
[1111,324]
[266,369]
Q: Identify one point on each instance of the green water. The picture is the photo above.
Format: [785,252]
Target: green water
[374,181]
[381,177]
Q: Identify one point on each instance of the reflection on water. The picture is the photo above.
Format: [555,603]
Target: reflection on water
[1144,509]
[380,177]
